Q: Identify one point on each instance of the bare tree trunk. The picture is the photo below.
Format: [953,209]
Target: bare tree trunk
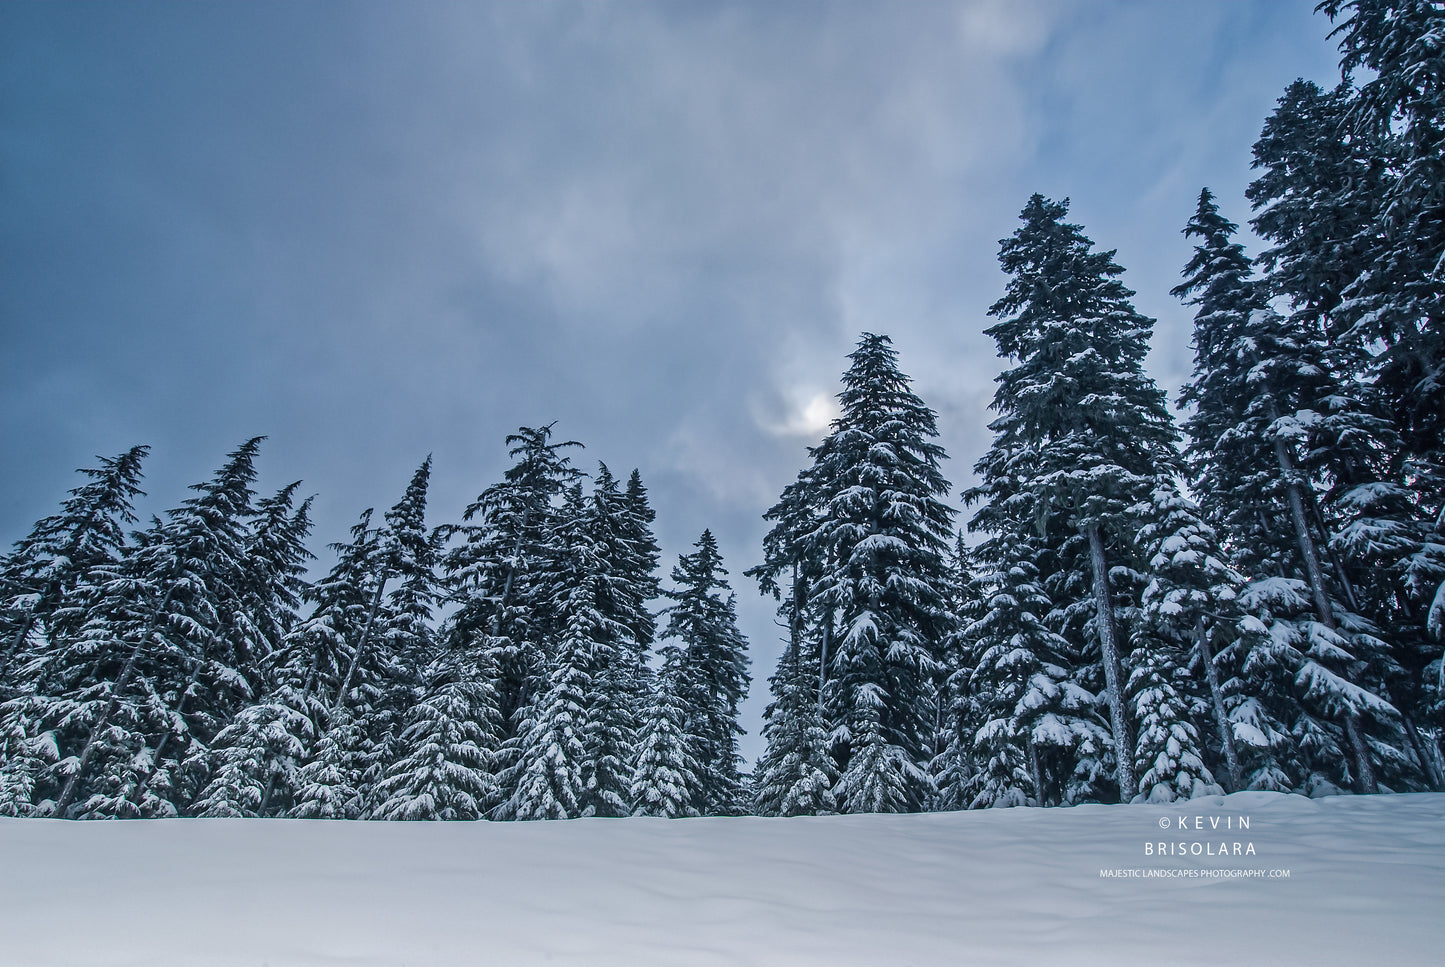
[1315,574]
[1347,587]
[1428,763]
[823,660]
[1367,780]
[1037,773]
[795,626]
[360,645]
[1306,541]
[266,795]
[1113,668]
[1216,697]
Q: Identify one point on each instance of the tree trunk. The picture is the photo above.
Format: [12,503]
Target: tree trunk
[511,572]
[360,645]
[1347,587]
[1037,773]
[1309,551]
[67,794]
[795,626]
[165,739]
[311,674]
[823,661]
[1113,668]
[266,795]
[1365,773]
[1216,697]
[1366,778]
[1429,765]
[15,642]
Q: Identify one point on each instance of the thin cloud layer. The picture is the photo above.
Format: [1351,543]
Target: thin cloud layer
[375,231]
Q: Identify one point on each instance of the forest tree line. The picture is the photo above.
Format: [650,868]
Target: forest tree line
[506,666]
[1136,609]
[1108,637]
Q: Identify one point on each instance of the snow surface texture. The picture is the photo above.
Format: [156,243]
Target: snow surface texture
[997,887]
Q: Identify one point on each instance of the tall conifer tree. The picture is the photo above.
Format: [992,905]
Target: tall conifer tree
[163,659]
[497,576]
[712,676]
[1082,433]
[1273,421]
[864,535]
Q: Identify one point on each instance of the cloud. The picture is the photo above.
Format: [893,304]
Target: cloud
[375,230]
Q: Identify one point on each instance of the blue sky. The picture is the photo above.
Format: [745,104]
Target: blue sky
[374,231]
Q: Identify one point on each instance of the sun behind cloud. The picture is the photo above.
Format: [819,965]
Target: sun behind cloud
[806,413]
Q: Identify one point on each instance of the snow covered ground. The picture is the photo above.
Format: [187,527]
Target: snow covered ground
[1365,885]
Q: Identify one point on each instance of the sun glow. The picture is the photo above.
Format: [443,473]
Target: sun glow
[816,415]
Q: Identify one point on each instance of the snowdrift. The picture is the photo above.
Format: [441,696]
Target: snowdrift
[1251,878]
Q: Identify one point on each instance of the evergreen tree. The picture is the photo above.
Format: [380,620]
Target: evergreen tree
[1252,371]
[795,775]
[666,781]
[1034,733]
[306,672]
[550,775]
[1315,200]
[1395,310]
[958,708]
[270,732]
[883,534]
[1398,300]
[609,567]
[277,561]
[1272,418]
[163,652]
[396,627]
[863,536]
[27,755]
[1189,585]
[712,677]
[1191,608]
[645,556]
[796,742]
[383,681]
[574,752]
[249,758]
[497,575]
[1005,670]
[317,652]
[327,784]
[41,586]
[619,538]
[38,580]
[445,770]
[404,627]
[353,670]
[1082,432]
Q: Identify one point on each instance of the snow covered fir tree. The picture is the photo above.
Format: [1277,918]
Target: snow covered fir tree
[1140,604]
[863,537]
[435,672]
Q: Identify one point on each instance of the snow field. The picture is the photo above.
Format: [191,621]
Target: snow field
[1366,885]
